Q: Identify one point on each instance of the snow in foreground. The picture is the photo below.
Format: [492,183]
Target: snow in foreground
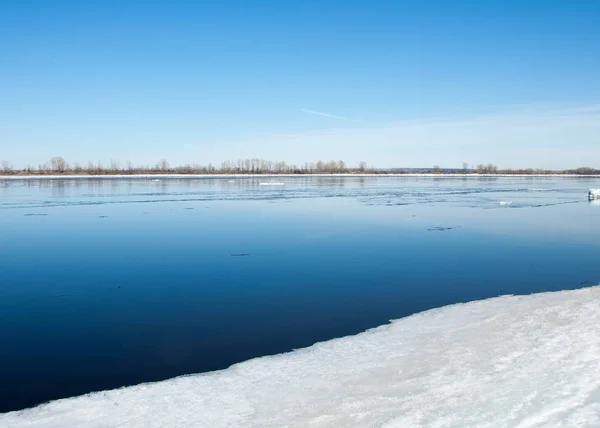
[521,361]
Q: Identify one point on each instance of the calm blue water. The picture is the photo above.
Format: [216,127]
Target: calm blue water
[105,283]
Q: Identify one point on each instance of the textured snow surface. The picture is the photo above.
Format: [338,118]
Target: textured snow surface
[513,361]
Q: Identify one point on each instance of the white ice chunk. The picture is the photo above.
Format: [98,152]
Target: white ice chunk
[512,361]
[505,203]
[594,194]
[271,183]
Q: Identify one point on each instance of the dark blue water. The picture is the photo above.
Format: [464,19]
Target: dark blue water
[105,283]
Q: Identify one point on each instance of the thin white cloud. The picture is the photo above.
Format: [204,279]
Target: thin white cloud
[590,109]
[515,138]
[318,113]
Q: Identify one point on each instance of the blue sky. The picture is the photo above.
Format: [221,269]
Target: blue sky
[399,83]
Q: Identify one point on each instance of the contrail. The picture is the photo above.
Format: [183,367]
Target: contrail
[329,115]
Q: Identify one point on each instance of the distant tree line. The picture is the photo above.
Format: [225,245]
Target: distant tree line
[493,169]
[58,165]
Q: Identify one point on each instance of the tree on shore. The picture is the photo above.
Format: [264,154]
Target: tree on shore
[58,164]
[163,165]
[487,169]
[584,170]
[5,166]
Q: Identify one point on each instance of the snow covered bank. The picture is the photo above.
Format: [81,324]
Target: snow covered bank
[521,361]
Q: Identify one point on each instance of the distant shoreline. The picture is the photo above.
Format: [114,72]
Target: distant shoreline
[289,175]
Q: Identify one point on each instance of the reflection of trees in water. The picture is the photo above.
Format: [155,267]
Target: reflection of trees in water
[94,185]
[487,179]
[270,186]
[59,188]
[5,187]
[332,181]
[585,179]
[161,185]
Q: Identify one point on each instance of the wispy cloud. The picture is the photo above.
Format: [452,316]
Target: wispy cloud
[590,109]
[318,113]
[519,137]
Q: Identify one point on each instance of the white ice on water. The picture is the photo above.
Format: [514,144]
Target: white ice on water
[513,361]
[594,194]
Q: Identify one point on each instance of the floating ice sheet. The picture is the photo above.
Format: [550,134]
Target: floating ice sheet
[513,361]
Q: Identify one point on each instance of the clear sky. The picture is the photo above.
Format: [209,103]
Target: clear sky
[394,83]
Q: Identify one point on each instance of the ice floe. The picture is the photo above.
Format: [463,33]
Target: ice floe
[511,361]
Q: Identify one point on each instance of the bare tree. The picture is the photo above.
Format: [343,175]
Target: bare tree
[487,169]
[58,164]
[5,166]
[465,167]
[362,166]
[115,165]
[163,165]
